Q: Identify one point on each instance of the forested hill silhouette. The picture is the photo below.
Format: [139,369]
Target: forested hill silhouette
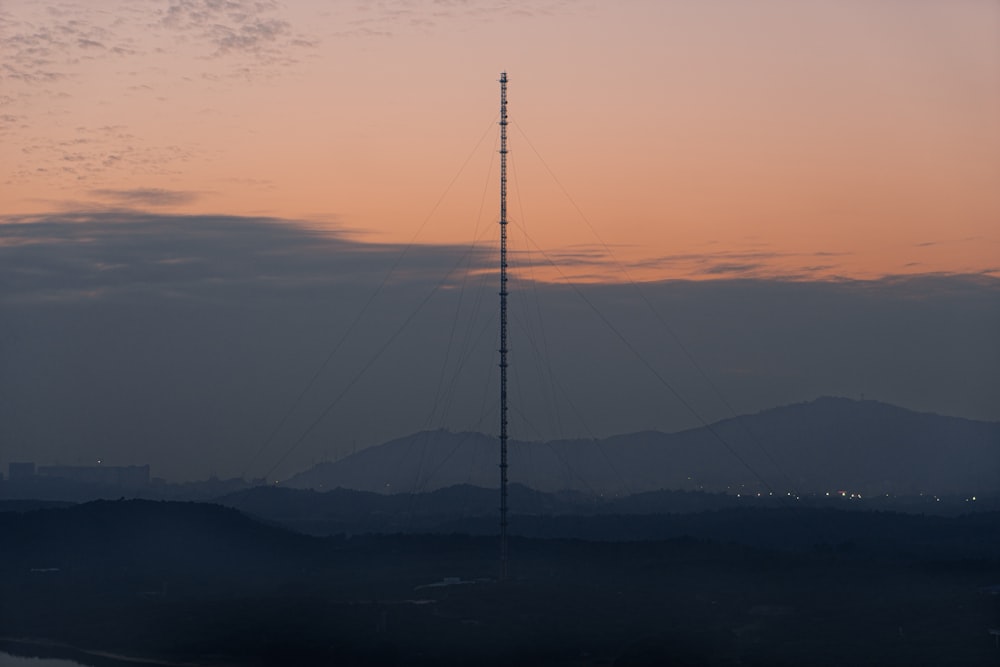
[828,444]
[199,584]
[873,527]
[123,534]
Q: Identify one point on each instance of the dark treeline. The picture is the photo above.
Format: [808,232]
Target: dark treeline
[788,522]
[209,585]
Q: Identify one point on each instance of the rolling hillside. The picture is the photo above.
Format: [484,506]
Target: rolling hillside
[824,445]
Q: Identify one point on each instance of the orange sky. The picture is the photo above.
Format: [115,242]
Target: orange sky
[720,139]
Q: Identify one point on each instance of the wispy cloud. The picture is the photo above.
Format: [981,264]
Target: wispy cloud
[90,154]
[732,268]
[46,47]
[50,50]
[250,29]
[147,196]
[384,19]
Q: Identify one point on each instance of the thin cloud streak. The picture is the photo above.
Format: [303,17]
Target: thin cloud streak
[140,197]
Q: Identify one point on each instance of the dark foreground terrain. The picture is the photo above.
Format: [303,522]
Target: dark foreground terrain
[206,585]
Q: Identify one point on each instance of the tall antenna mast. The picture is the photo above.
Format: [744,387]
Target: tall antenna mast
[503,325]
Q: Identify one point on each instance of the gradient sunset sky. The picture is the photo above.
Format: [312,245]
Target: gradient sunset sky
[239,236]
[698,139]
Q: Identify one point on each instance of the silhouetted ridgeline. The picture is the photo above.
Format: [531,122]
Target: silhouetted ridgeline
[75,491]
[771,524]
[207,585]
[826,445]
[473,510]
[143,534]
[831,445]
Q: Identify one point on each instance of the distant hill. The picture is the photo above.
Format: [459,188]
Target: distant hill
[472,510]
[127,533]
[829,444]
[346,511]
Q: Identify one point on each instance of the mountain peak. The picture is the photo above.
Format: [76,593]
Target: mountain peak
[827,444]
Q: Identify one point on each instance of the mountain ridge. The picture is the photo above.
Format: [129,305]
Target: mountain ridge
[825,445]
